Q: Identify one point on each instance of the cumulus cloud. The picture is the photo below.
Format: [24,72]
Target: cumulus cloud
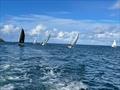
[108,35]
[116,5]
[64,35]
[53,32]
[61,34]
[57,34]
[37,30]
[9,28]
[47,33]
[65,29]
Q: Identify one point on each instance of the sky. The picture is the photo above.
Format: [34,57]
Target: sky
[97,21]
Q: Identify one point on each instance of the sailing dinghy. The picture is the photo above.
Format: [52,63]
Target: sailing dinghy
[45,41]
[114,44]
[21,38]
[35,41]
[71,45]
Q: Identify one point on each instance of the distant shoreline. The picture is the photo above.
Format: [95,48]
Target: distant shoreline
[1,40]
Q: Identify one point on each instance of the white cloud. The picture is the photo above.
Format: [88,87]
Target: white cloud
[61,34]
[116,5]
[107,36]
[37,30]
[64,29]
[65,36]
[58,13]
[57,34]
[9,28]
[47,33]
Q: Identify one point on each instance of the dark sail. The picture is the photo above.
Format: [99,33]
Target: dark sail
[22,37]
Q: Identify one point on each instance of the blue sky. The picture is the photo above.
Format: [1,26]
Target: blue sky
[74,9]
[95,20]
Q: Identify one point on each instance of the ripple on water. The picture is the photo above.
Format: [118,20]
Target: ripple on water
[4,67]
[52,81]
[55,67]
[7,87]
[71,86]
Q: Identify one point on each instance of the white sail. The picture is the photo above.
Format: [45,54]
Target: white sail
[45,41]
[74,41]
[35,41]
[114,44]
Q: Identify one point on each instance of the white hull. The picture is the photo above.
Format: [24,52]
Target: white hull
[69,46]
[114,46]
[43,44]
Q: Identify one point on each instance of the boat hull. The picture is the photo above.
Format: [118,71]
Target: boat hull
[21,44]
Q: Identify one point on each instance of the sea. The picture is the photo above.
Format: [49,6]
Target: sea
[56,67]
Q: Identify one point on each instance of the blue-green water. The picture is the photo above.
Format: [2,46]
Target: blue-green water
[55,67]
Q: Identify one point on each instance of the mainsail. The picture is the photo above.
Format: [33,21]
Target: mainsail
[45,41]
[35,41]
[22,38]
[114,44]
[74,41]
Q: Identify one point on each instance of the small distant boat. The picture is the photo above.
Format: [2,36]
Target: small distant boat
[21,38]
[45,41]
[71,45]
[35,41]
[114,44]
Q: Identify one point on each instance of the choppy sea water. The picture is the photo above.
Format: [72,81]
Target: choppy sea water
[55,67]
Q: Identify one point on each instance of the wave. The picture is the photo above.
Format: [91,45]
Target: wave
[55,83]
[7,87]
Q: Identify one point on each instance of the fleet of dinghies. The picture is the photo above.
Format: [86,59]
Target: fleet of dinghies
[72,43]
[22,38]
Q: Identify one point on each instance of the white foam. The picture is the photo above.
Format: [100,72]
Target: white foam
[56,83]
[2,79]
[13,78]
[71,86]
[7,87]
[51,73]
[4,57]
[19,69]
[17,78]
[6,66]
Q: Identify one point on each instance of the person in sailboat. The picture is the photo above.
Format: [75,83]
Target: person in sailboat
[22,38]
[71,45]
